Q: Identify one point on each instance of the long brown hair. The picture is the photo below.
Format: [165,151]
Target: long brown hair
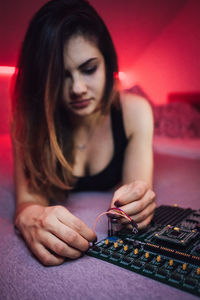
[37,123]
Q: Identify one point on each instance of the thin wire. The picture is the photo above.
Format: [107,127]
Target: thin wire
[117,211]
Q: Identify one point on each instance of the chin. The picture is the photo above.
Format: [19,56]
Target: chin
[84,112]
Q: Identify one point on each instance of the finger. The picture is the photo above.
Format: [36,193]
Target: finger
[141,217]
[45,257]
[59,247]
[69,236]
[141,225]
[69,220]
[146,222]
[78,225]
[149,210]
[113,215]
[136,207]
[129,192]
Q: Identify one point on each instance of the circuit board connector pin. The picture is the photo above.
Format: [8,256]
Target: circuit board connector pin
[115,245]
[126,248]
[106,242]
[171,262]
[136,251]
[184,267]
[158,258]
[176,228]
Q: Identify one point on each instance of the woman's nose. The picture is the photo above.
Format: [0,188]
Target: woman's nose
[78,85]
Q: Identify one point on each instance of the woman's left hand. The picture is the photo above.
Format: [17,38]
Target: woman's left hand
[137,199]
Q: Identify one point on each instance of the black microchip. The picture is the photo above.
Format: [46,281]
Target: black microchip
[149,268]
[96,248]
[162,272]
[137,264]
[176,277]
[105,252]
[174,235]
[127,259]
[190,281]
[116,255]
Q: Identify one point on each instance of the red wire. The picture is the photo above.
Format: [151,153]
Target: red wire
[119,209]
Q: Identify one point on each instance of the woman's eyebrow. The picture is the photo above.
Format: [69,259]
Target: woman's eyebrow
[87,62]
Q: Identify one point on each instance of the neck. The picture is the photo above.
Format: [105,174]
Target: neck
[84,129]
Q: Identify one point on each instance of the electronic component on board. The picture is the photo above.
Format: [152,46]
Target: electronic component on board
[167,253]
[175,235]
[115,225]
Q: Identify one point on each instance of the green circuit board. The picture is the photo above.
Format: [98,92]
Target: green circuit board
[167,251]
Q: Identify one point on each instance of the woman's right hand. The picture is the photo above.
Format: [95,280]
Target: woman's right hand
[53,233]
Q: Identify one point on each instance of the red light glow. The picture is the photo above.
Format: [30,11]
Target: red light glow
[122,75]
[127,79]
[4,70]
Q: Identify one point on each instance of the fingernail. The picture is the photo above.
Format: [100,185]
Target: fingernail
[117,203]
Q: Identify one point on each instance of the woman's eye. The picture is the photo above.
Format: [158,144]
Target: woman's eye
[89,71]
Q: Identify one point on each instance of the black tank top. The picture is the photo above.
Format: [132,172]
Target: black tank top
[109,177]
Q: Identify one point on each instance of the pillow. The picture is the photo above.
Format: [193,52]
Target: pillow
[174,119]
[177,120]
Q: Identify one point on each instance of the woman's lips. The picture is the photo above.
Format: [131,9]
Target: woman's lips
[80,104]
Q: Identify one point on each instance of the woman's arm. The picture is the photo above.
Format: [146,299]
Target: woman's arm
[136,196]
[23,197]
[51,232]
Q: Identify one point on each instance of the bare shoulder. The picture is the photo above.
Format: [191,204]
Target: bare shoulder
[137,113]
[134,104]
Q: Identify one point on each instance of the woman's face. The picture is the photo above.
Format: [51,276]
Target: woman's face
[85,76]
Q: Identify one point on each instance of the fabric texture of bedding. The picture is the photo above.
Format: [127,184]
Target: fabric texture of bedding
[23,277]
[176,180]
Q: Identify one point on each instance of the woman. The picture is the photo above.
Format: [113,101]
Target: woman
[72,130]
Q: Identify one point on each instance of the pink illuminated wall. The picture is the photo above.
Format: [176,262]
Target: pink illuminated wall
[158,43]
[171,63]
[4,103]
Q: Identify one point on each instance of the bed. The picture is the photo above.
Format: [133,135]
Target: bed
[176,180]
